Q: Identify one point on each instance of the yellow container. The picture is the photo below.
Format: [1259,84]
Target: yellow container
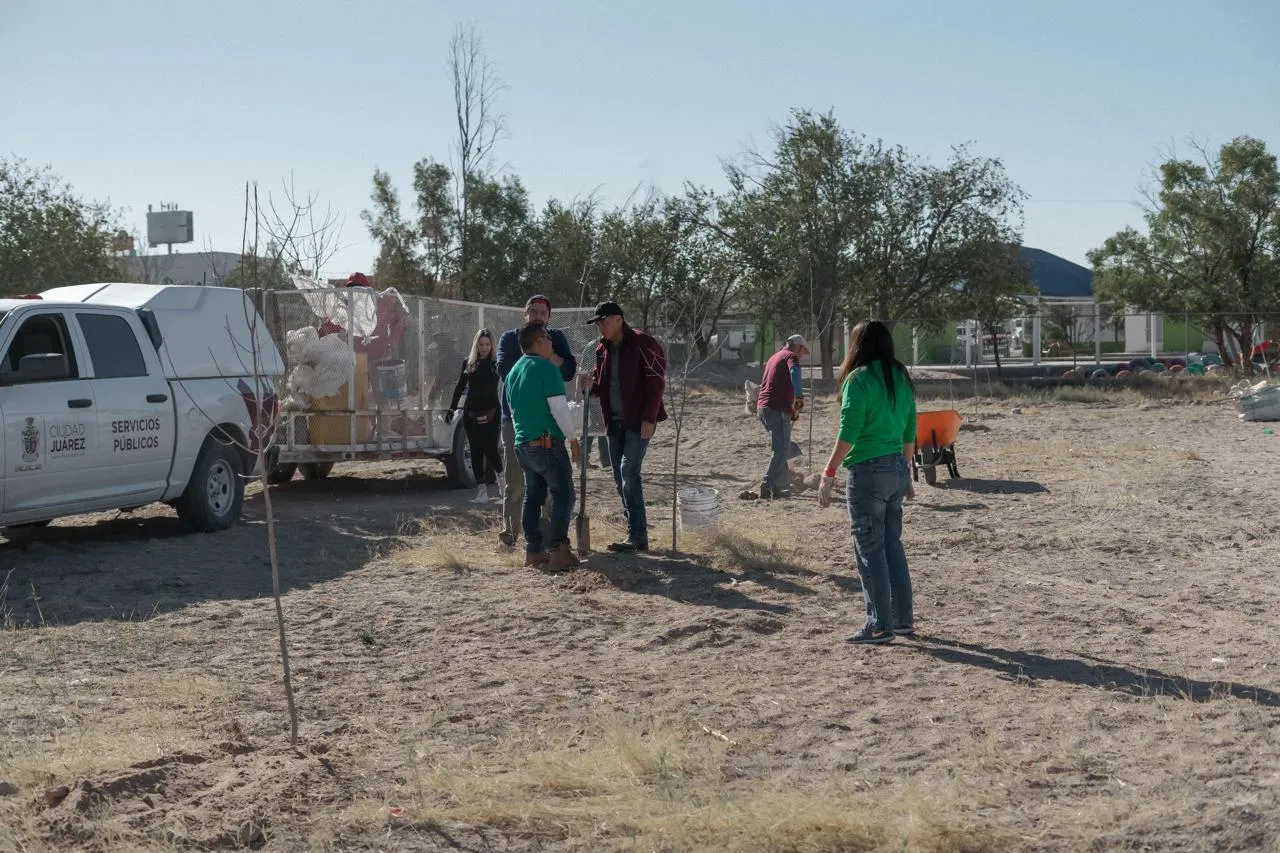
[336,429]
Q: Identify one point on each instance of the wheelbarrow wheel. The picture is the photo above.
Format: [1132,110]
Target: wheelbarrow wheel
[928,458]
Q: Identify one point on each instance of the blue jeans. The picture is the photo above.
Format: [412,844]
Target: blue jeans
[778,425]
[626,453]
[875,491]
[546,471]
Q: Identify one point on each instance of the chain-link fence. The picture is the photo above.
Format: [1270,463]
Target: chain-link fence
[1049,333]
[1084,333]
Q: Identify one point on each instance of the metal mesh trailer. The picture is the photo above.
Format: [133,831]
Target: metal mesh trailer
[369,374]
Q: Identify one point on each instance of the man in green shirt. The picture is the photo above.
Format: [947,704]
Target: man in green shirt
[542,424]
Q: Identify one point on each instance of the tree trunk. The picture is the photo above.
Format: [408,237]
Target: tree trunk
[462,237]
[826,342]
[703,343]
[995,349]
[1246,347]
[1220,338]
[675,489]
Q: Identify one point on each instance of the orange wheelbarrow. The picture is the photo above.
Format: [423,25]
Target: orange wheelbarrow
[936,434]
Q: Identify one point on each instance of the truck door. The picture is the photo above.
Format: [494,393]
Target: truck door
[50,423]
[136,428]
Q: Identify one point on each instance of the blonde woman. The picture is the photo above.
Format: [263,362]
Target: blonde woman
[482,419]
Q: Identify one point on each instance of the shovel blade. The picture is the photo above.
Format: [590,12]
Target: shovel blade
[584,534]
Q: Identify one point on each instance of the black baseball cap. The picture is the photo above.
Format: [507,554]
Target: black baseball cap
[606,309]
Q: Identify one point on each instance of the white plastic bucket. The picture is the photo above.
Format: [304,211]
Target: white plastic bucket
[392,380]
[698,507]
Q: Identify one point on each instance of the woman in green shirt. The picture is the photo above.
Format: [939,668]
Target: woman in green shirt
[877,440]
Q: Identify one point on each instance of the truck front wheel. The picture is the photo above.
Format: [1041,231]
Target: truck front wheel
[215,492]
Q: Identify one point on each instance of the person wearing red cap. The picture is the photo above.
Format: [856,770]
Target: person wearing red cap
[390,322]
[781,399]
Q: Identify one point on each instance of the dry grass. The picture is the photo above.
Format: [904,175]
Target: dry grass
[1096,669]
[656,784]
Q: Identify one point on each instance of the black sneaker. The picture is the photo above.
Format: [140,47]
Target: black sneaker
[867,637]
[768,494]
[628,547]
[904,630]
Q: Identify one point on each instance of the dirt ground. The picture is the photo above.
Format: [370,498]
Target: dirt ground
[1098,666]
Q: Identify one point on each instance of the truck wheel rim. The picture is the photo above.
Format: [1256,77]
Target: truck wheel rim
[220,488]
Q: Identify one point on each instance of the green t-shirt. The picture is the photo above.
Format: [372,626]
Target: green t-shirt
[531,381]
[868,421]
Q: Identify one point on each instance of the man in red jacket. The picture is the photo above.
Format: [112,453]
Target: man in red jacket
[630,377]
[781,399]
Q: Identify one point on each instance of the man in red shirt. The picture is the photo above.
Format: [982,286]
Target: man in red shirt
[781,399]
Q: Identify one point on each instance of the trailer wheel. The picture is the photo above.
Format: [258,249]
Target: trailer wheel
[282,474]
[315,470]
[458,464]
[215,492]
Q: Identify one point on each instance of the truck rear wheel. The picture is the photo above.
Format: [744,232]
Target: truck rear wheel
[315,470]
[215,493]
[458,464]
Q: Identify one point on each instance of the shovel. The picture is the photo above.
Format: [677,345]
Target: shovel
[583,526]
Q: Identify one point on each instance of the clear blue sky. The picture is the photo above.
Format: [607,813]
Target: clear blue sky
[147,101]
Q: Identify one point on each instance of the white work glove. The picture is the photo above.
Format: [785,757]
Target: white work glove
[824,491]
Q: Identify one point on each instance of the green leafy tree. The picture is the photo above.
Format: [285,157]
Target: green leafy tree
[566,264]
[437,231]
[639,242]
[928,228]
[796,217]
[501,240]
[994,280]
[1211,247]
[49,236]
[706,274]
[398,263]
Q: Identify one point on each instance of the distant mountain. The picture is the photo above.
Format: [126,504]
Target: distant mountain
[1057,277]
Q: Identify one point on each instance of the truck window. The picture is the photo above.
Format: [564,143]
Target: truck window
[42,334]
[113,347]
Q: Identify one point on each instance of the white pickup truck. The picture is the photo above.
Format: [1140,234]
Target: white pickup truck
[114,396]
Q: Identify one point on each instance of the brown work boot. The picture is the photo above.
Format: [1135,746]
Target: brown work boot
[563,559]
[536,560]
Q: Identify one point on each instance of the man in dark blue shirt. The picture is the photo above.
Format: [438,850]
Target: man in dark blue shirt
[536,310]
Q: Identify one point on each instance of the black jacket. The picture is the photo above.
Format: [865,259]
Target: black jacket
[481,385]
